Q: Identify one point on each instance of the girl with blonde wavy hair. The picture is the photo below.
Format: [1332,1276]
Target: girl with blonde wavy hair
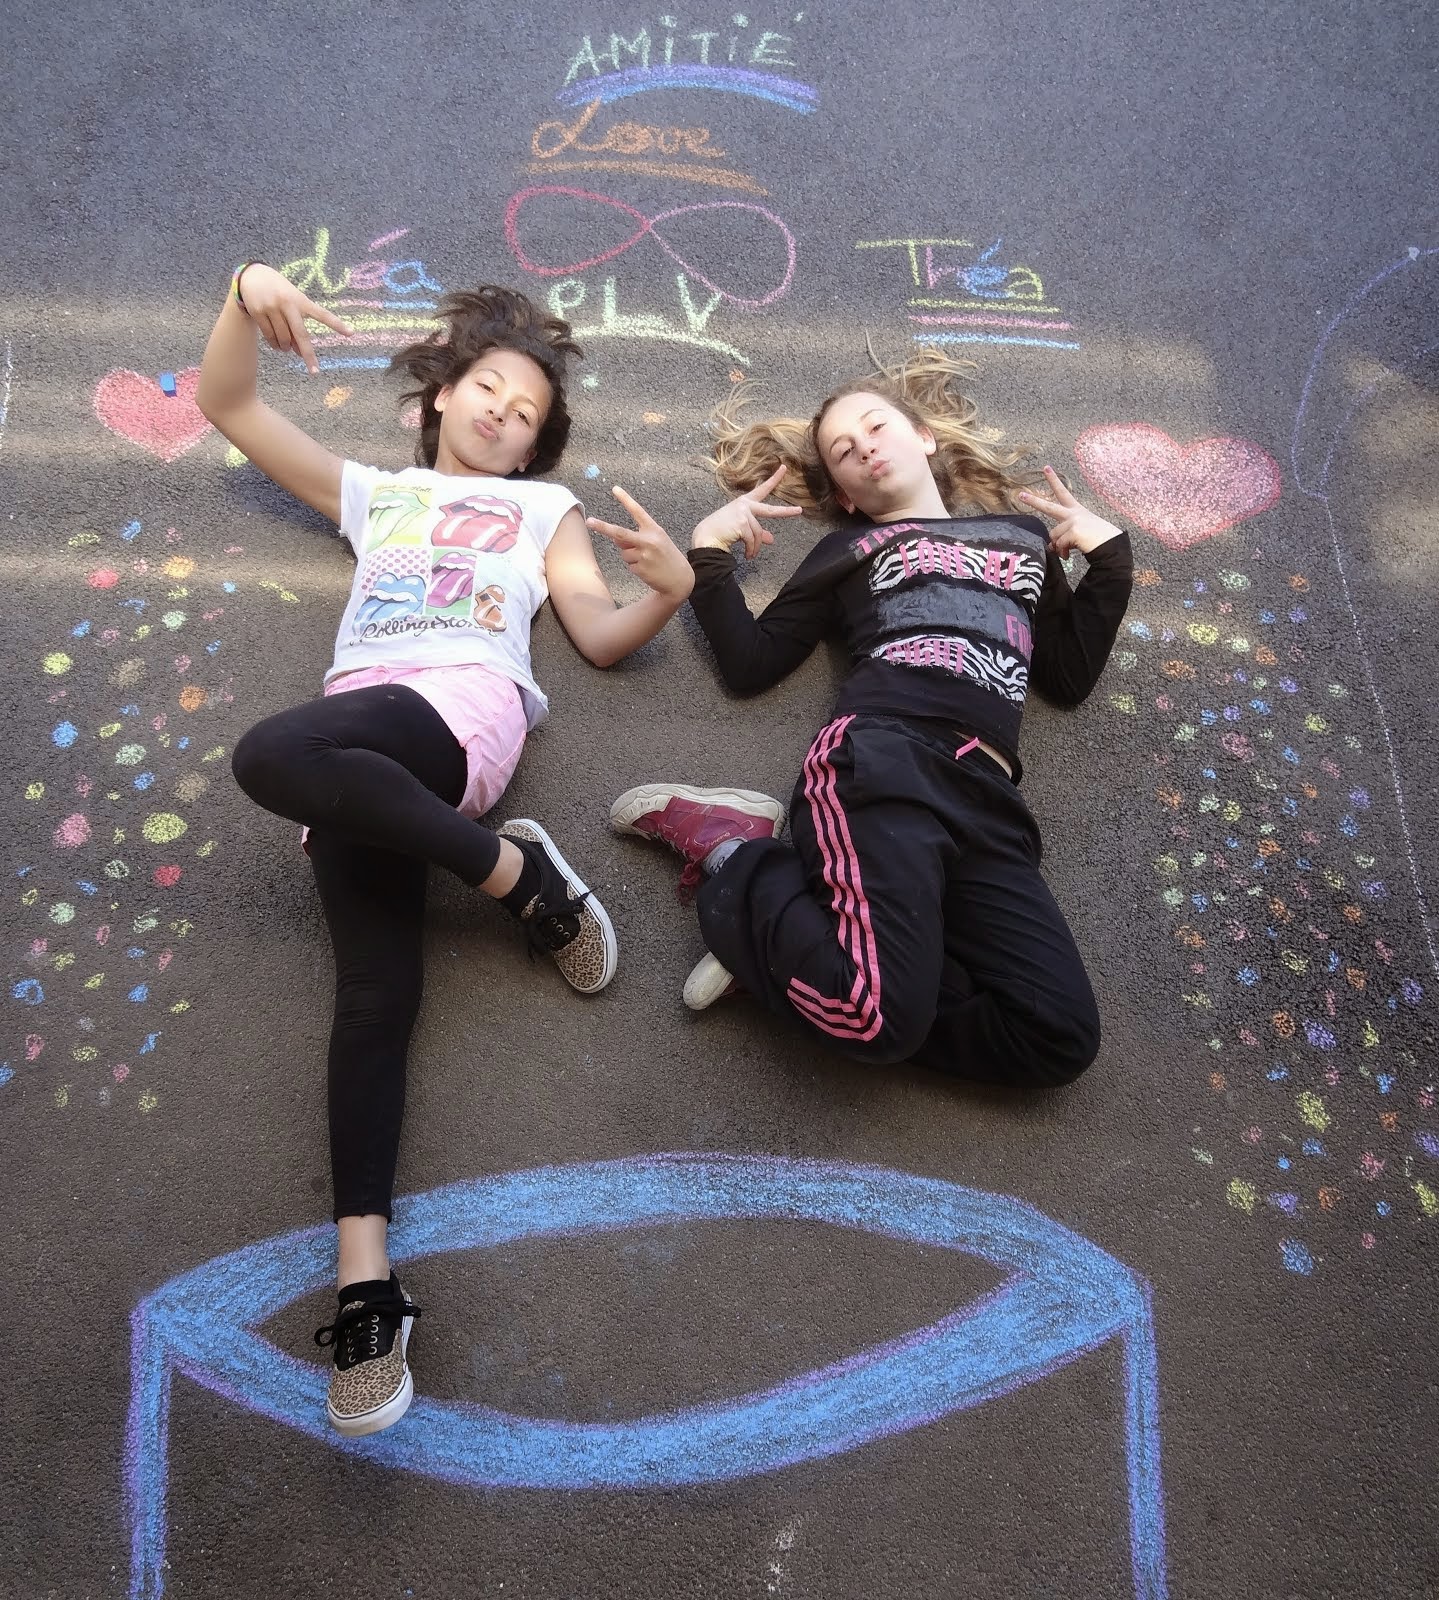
[905,919]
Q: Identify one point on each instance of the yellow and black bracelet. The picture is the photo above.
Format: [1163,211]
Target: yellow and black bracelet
[235,283]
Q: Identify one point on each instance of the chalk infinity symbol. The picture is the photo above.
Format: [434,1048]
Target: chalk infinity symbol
[1062,1296]
[646,225]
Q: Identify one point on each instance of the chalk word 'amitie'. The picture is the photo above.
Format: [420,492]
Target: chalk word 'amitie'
[631,147]
[702,59]
[984,294]
[1060,1297]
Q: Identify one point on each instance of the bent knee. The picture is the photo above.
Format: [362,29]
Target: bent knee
[262,759]
[895,1040]
[1063,1051]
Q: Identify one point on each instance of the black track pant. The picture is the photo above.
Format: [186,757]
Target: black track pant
[907,920]
[375,774]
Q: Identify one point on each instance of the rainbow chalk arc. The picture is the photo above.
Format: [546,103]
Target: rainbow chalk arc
[1063,1296]
[613,86]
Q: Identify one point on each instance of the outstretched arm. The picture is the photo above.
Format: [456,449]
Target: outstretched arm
[1074,631]
[228,396]
[602,631]
[753,653]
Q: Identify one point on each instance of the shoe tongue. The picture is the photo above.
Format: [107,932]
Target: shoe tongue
[369,1289]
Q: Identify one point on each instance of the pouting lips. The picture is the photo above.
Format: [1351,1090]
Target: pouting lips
[480,522]
[392,597]
[451,580]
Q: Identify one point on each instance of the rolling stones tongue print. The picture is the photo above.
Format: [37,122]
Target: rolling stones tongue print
[424,565]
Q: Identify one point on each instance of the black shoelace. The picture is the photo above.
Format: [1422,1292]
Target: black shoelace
[364,1331]
[551,929]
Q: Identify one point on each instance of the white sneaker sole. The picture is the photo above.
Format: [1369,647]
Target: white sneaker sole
[634,803]
[706,984]
[577,888]
[388,1414]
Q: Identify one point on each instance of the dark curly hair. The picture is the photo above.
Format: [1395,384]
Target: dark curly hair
[480,320]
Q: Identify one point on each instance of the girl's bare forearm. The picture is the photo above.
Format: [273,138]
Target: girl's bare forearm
[229,371]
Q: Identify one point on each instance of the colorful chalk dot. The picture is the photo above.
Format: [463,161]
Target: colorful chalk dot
[56,664]
[164,827]
[592,471]
[35,791]
[62,912]
[103,578]
[130,755]
[72,832]
[1296,1257]
[64,734]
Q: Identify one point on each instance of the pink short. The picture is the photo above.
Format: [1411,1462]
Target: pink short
[484,712]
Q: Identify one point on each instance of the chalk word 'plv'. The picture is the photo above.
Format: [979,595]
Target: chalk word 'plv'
[1061,1296]
[567,297]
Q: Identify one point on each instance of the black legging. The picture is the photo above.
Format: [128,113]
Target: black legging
[375,774]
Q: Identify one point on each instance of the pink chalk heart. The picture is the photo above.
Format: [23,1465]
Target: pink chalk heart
[1182,494]
[136,408]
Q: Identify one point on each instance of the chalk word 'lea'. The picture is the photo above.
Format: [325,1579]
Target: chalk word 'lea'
[312,275]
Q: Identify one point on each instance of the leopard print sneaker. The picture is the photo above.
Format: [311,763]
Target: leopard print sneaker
[371,1387]
[564,919]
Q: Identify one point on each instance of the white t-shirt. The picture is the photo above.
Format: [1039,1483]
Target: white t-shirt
[451,570]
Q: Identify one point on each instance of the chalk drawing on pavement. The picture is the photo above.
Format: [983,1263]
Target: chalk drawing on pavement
[1062,1296]
[768,250]
[1328,410]
[1319,1126]
[388,303]
[581,144]
[1181,494]
[138,734]
[965,294]
[726,59]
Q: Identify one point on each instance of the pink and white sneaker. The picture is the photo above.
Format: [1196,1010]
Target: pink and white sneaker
[693,821]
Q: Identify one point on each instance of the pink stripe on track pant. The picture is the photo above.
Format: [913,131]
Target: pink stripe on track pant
[907,919]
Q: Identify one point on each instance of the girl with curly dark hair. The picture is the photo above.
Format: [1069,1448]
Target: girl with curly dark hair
[425,710]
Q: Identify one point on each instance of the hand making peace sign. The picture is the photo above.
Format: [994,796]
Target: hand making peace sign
[648,550]
[1076,527]
[739,520]
[278,310]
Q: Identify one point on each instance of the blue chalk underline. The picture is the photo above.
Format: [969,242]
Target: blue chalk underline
[990,338]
